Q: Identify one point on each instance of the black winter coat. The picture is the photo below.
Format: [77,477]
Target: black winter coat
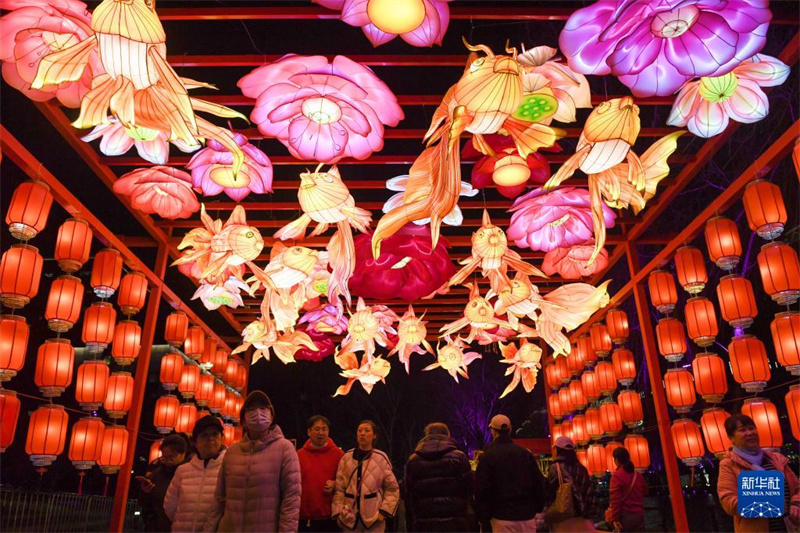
[582,487]
[438,486]
[508,483]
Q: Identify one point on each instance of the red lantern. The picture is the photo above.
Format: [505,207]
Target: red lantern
[639,449]
[722,240]
[29,208]
[630,407]
[166,413]
[238,407]
[20,273]
[127,342]
[562,368]
[220,363]
[187,417]
[617,324]
[554,407]
[176,328]
[73,245]
[566,428]
[737,301]
[591,387]
[610,419]
[792,408]
[106,272]
[671,339]
[228,435]
[171,370]
[581,436]
[155,451]
[91,384]
[241,378]
[688,441]
[574,365]
[218,399]
[205,390]
[583,457]
[786,338]
[709,377]
[195,342]
[85,442]
[132,293]
[601,340]
[680,389]
[54,367]
[780,272]
[14,333]
[691,268]
[576,396]
[190,378]
[610,447]
[593,425]
[701,321]
[713,424]
[9,415]
[119,396]
[624,366]
[114,449]
[663,294]
[551,377]
[555,432]
[209,351]
[230,372]
[64,303]
[565,400]
[229,410]
[98,326]
[47,434]
[764,207]
[597,460]
[749,363]
[606,379]
[586,352]
[765,415]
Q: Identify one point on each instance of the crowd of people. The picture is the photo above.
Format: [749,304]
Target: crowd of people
[261,484]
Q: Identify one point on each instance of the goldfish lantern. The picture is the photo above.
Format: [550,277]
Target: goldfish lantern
[166,413]
[593,425]
[792,408]
[396,16]
[551,376]
[206,359]
[577,399]
[565,400]
[54,367]
[64,303]
[597,460]
[680,389]
[29,208]
[155,451]
[671,339]
[195,342]
[20,273]
[47,434]
[610,418]
[749,363]
[132,293]
[119,396]
[563,369]
[579,433]
[14,334]
[610,447]
[85,442]
[171,370]
[73,245]
[639,449]
[127,342]
[737,301]
[630,407]
[586,351]
[91,384]
[688,441]
[780,272]
[574,365]
[663,294]
[786,338]
[106,272]
[624,366]
[765,210]
[617,325]
[591,387]
[554,406]
[9,416]
[205,390]
[601,340]
[709,377]
[114,449]
[722,240]
[98,326]
[187,417]
[583,457]
[218,399]
[606,379]
[691,268]
[713,424]
[176,328]
[768,425]
[190,377]
[701,321]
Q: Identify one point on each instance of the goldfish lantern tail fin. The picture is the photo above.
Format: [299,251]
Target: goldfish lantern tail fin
[225,138]
[446,178]
[342,252]
[95,103]
[442,112]
[598,220]
[530,136]
[567,169]
[65,65]
[174,87]
[359,218]
[654,162]
[205,106]
[295,229]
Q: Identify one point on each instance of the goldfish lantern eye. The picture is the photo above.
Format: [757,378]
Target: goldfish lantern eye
[249,234]
[328,178]
[475,304]
[477,64]
[296,251]
[602,108]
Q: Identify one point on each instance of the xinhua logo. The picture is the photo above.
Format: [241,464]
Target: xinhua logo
[761,494]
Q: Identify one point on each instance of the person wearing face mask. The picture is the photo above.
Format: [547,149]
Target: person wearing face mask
[366,490]
[258,488]
[153,485]
[319,458]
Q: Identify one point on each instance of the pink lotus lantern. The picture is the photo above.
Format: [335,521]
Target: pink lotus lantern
[163,191]
[495,170]
[570,263]
[151,145]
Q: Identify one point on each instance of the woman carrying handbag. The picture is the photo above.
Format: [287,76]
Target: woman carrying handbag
[626,495]
[569,491]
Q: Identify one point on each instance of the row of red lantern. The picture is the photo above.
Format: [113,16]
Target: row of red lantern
[178,332]
[188,378]
[598,459]
[170,414]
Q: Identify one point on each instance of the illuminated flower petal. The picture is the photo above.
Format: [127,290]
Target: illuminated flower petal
[765,70]
[570,263]
[164,191]
[748,103]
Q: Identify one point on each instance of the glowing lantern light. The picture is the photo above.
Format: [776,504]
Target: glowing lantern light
[555,432]
[230,372]
[663,294]
[617,325]
[551,377]
[577,398]
[190,378]
[565,400]
[714,434]
[220,363]
[591,387]
[566,428]
[610,419]
[601,340]
[64,303]
[691,268]
[639,449]
[205,390]
[688,441]
[630,407]
[14,334]
[554,406]
[583,457]
[709,377]
[780,272]
[114,449]
[574,364]
[610,447]
[195,342]
[171,370]
[206,359]
[91,384]
[218,399]
[238,407]
[597,460]
[396,16]
[765,415]
[98,326]
[792,408]
[579,430]
[187,417]
[749,363]
[593,425]
[229,410]
[119,395]
[176,328]
[671,339]
[786,338]
[85,442]
[47,434]
[106,272]
[155,451]
[228,435]
[20,273]
[241,378]
[680,389]
[127,342]
[586,352]
[9,416]
[73,245]
[166,413]
[606,379]
[563,369]
[29,208]
[54,362]
[511,170]
[701,321]
[722,240]
[132,293]
[624,366]
[765,210]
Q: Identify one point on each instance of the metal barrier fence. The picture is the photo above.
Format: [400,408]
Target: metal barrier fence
[28,511]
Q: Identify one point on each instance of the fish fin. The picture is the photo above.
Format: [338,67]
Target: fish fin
[174,87]
[567,169]
[442,112]
[342,253]
[65,65]
[598,220]
[358,218]
[518,264]
[295,229]
[155,107]
[225,138]
[343,390]
[654,162]
[95,103]
[530,136]
[512,385]
[459,277]
[636,175]
[215,109]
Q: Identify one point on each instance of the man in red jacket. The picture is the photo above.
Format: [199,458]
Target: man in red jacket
[319,458]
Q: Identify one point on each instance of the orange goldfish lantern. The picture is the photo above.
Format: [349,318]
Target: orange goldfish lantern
[517,298]
[479,316]
[263,335]
[368,372]
[616,174]
[452,358]
[367,326]
[525,364]
[411,333]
